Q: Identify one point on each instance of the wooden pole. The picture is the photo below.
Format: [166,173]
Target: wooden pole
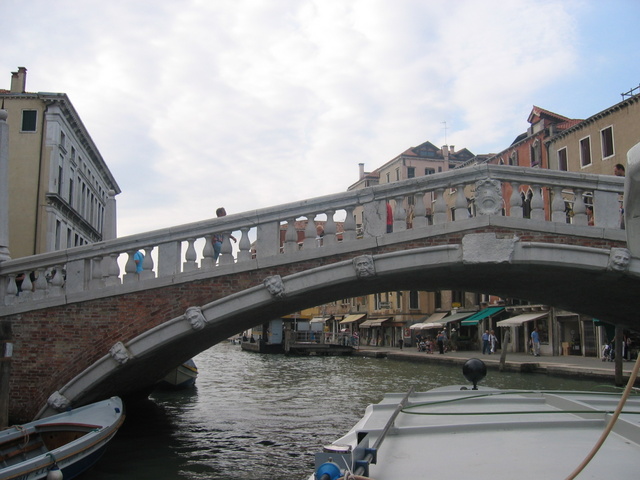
[505,345]
[619,380]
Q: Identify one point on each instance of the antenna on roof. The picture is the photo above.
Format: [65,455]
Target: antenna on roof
[445,132]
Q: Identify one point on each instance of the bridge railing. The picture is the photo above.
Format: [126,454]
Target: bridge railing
[419,203]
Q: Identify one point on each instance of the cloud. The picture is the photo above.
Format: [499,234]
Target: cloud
[249,104]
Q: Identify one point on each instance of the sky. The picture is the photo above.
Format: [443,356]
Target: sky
[247,104]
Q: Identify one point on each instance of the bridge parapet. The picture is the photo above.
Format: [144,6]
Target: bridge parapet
[421,203]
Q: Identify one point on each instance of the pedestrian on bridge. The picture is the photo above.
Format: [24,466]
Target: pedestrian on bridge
[217,238]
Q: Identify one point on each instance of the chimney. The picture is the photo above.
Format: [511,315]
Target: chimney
[445,152]
[452,148]
[361,166]
[19,80]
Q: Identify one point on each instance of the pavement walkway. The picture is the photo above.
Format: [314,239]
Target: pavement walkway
[570,365]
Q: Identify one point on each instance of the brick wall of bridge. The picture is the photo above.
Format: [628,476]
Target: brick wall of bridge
[51,346]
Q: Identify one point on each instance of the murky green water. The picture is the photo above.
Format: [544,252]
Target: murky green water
[259,417]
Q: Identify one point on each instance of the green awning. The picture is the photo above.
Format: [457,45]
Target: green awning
[481,315]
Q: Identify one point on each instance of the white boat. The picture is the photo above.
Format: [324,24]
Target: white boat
[454,433]
[59,446]
[181,377]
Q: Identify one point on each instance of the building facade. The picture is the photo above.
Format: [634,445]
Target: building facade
[61,192]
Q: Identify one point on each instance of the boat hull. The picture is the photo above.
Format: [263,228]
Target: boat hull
[72,441]
[182,377]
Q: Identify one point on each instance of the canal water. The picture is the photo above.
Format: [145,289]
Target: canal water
[262,417]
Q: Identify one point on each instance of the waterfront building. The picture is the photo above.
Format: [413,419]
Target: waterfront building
[61,191]
[597,144]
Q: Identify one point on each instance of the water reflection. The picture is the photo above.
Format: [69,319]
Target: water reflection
[257,416]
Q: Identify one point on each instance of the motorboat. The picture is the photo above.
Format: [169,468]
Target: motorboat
[61,446]
[485,433]
[182,377]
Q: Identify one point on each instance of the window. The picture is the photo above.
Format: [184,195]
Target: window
[606,136]
[585,152]
[411,172]
[513,158]
[414,300]
[398,174]
[29,118]
[562,159]
[429,171]
[535,154]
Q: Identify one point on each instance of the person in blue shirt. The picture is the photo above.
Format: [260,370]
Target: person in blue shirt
[486,348]
[535,341]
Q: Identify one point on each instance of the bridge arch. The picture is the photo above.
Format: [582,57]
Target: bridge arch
[488,261]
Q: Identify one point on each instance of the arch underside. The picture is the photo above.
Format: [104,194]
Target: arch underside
[577,279]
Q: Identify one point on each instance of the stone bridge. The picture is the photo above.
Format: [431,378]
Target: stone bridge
[82,329]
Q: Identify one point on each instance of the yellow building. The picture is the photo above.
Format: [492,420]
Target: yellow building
[60,191]
[597,144]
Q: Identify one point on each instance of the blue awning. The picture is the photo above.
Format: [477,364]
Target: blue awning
[481,315]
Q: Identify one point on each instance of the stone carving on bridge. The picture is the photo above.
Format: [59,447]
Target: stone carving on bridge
[195,317]
[120,353]
[487,248]
[58,402]
[275,285]
[364,266]
[488,197]
[619,260]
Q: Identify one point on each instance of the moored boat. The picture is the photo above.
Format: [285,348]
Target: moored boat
[60,446]
[485,433]
[182,377]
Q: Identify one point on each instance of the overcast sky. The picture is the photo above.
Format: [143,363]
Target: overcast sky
[246,104]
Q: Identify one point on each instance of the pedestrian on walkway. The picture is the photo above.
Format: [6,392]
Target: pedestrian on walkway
[485,342]
[535,341]
[493,342]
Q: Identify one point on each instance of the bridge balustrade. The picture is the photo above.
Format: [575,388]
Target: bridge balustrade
[94,270]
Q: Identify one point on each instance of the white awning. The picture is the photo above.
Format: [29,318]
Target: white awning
[374,322]
[518,320]
[436,317]
[352,318]
[320,319]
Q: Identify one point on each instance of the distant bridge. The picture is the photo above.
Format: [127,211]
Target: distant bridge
[97,331]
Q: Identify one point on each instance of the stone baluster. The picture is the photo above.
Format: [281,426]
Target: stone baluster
[113,270]
[461,204]
[558,214]
[130,274]
[291,237]
[537,204]
[190,256]
[579,209]
[419,211]
[40,285]
[440,208]
[27,288]
[349,226]
[330,230]
[244,246]
[57,281]
[147,264]
[96,282]
[208,261]
[399,215]
[310,233]
[11,293]
[226,251]
[515,202]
